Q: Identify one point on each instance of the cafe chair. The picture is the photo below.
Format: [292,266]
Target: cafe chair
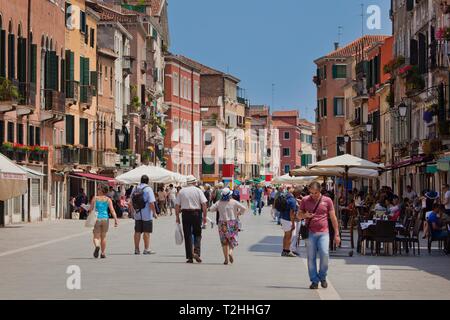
[384,234]
[431,239]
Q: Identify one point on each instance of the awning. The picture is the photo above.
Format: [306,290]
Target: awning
[33,173]
[94,177]
[406,163]
[443,164]
[431,169]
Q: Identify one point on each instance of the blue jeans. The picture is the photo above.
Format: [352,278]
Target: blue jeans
[318,243]
[257,206]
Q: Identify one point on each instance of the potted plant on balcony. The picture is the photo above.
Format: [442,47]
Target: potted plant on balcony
[135,103]
[8,92]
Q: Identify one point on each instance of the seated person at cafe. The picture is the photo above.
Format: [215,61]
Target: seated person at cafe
[395,209]
[380,207]
[435,223]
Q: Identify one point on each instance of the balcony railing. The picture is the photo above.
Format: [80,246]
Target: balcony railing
[72,91]
[54,101]
[106,159]
[86,94]
[127,65]
[86,156]
[27,93]
[67,156]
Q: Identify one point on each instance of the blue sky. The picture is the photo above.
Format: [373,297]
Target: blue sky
[265,42]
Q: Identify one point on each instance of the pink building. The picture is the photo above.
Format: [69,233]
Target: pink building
[288,125]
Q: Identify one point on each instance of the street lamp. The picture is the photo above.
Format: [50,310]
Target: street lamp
[369,127]
[402,110]
[121,137]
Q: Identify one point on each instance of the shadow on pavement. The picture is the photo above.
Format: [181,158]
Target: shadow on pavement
[268,244]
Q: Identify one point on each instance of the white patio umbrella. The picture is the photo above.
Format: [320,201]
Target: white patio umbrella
[155,175]
[336,172]
[346,162]
[13,179]
[287,179]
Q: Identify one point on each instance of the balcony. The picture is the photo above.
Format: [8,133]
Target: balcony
[127,65]
[27,93]
[86,156]
[72,92]
[361,91]
[361,69]
[106,159]
[54,101]
[67,156]
[86,94]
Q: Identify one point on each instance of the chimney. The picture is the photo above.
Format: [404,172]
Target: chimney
[336,45]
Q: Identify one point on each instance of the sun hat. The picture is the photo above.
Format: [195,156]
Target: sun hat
[191,180]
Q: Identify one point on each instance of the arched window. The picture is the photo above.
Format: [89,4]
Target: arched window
[2,49]
[11,52]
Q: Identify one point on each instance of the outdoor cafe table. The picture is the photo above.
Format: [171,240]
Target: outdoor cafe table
[368,229]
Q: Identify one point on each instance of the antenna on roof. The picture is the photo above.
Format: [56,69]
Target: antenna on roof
[362,19]
[273,95]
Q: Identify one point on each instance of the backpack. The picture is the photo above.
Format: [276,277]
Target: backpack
[281,203]
[138,199]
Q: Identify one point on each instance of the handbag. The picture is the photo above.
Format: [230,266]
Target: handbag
[179,235]
[91,220]
[304,226]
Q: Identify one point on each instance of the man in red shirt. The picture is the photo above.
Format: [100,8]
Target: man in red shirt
[316,209]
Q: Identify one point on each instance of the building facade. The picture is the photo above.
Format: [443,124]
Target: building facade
[288,125]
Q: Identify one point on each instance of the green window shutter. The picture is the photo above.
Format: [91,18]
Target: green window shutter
[33,62]
[82,21]
[325,107]
[22,59]
[70,129]
[63,75]
[92,37]
[334,71]
[53,71]
[2,53]
[83,93]
[325,71]
[83,132]
[56,73]
[11,57]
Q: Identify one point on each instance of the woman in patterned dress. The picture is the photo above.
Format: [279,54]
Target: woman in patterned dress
[229,211]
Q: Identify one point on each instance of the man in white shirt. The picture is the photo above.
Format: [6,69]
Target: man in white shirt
[191,202]
[172,198]
[410,194]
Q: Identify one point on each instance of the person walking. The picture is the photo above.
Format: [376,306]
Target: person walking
[258,194]
[229,211]
[101,204]
[191,203]
[143,205]
[80,200]
[236,194]
[286,205]
[162,197]
[316,210]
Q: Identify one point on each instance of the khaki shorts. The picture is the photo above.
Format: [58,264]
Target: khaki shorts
[101,227]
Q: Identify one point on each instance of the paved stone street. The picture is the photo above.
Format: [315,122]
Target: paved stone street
[34,259]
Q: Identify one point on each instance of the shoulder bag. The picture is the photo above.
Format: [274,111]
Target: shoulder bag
[304,226]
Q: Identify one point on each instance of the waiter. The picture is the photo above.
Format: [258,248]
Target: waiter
[192,203]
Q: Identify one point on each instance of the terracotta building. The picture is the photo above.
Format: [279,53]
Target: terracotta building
[331,77]
[183,122]
[288,125]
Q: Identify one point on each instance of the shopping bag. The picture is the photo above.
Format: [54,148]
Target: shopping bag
[91,220]
[179,235]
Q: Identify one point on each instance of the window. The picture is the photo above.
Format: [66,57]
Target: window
[208,138]
[38,136]
[196,92]
[286,152]
[2,131]
[70,130]
[287,135]
[84,132]
[20,133]
[11,56]
[92,38]
[339,71]
[2,53]
[189,91]
[287,168]
[338,106]
[340,143]
[10,132]
[175,84]
[100,80]
[83,22]
[31,140]
[111,81]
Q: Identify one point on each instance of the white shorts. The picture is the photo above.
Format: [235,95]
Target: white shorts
[286,225]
